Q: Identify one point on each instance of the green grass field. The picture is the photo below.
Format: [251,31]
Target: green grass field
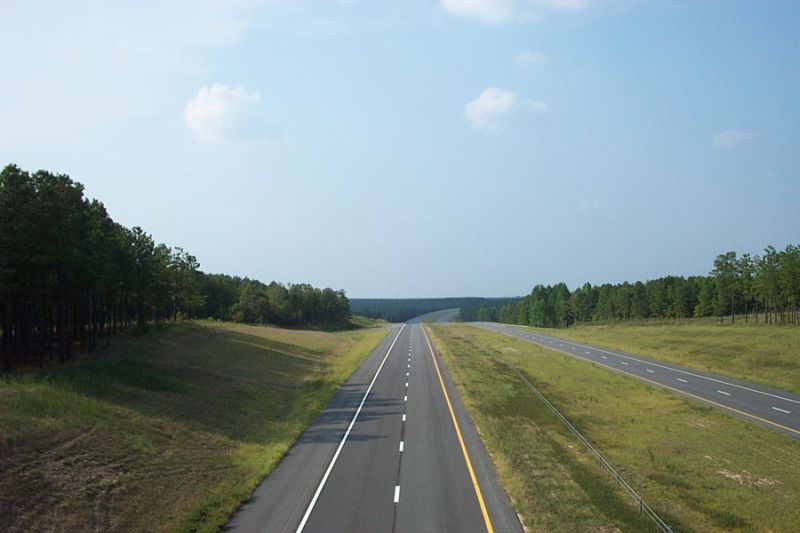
[166,432]
[700,469]
[765,354]
[358,321]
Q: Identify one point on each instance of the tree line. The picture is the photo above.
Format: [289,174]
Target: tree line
[765,287]
[402,309]
[71,277]
[254,302]
[483,309]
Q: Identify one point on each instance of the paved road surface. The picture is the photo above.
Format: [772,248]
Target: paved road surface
[771,407]
[399,465]
[445,315]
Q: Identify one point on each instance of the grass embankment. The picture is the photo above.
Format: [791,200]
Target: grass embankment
[359,321]
[759,353]
[166,432]
[700,469]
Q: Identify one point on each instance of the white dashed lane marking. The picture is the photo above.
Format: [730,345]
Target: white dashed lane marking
[686,372]
[648,367]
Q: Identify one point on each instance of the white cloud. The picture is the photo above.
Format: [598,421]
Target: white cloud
[528,58]
[731,138]
[499,11]
[220,113]
[488,111]
[492,11]
[115,63]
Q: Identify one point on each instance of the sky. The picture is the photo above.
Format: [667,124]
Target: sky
[419,148]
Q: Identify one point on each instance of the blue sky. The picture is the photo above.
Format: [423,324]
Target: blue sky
[419,148]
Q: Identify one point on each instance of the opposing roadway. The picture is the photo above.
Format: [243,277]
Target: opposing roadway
[773,408]
[393,451]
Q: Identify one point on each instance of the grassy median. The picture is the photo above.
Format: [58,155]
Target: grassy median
[700,469]
[166,432]
[759,353]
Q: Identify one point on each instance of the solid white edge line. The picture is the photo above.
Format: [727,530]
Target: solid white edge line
[397,494]
[721,382]
[344,439]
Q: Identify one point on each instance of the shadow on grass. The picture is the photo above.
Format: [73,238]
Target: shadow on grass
[606,499]
[228,383]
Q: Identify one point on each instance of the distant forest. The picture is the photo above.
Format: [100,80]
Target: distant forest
[71,277]
[765,287]
[402,309]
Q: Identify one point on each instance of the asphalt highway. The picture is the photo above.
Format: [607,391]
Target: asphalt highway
[393,451]
[772,408]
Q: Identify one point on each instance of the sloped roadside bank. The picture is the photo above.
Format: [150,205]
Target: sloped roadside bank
[165,432]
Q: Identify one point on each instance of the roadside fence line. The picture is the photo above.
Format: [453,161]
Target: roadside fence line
[643,506]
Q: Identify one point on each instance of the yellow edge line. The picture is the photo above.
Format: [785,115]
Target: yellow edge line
[460,439]
[679,391]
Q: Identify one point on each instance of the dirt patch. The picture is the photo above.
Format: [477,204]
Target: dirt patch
[747,479]
[697,423]
[509,349]
[92,480]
